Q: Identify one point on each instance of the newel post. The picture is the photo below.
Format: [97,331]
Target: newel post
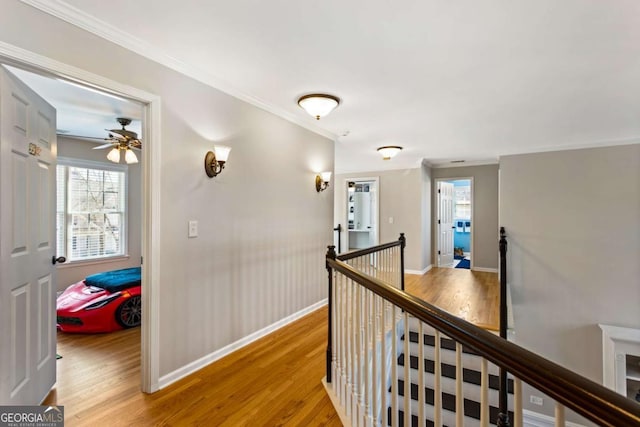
[403,243]
[503,416]
[331,255]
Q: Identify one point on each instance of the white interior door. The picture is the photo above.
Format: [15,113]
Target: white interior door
[445,223]
[27,244]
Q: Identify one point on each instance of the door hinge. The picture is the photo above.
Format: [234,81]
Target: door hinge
[140,260]
[438,252]
[438,191]
[438,221]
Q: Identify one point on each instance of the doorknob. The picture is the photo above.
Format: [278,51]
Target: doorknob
[59,259]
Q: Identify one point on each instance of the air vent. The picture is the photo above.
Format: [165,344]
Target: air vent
[458,161]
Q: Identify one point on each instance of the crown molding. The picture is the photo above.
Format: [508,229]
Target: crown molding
[569,147]
[83,20]
[464,164]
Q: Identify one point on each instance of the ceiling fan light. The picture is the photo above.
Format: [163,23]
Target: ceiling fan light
[114,155]
[389,151]
[130,156]
[318,104]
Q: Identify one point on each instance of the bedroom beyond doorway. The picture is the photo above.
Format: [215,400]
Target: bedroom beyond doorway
[454,222]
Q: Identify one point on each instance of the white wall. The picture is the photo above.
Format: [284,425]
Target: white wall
[72,273]
[263,228]
[401,196]
[571,219]
[484,253]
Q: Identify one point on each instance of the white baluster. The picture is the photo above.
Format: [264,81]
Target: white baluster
[421,393]
[394,367]
[459,393]
[407,372]
[559,415]
[357,368]
[383,362]
[437,382]
[366,356]
[484,393]
[517,403]
[375,365]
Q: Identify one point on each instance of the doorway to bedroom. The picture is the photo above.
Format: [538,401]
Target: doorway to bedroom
[99,224]
[454,222]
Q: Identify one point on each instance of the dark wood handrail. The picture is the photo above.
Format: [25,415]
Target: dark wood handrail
[585,397]
[366,251]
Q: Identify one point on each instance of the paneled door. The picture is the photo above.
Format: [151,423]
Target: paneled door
[445,223]
[27,244]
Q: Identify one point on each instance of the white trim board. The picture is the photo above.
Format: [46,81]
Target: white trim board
[534,419]
[420,272]
[196,365]
[150,350]
[485,269]
[83,20]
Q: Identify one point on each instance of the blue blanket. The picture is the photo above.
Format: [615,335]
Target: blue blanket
[116,280]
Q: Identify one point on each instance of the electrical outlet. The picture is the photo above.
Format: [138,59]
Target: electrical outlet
[536,400]
[193,229]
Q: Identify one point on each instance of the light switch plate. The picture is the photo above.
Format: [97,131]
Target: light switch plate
[193,229]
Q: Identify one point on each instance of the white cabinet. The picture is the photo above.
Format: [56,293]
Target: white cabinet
[621,360]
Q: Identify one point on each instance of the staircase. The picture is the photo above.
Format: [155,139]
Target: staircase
[393,359]
[471,375]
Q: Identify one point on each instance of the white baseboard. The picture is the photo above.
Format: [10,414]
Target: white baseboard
[346,421]
[419,272]
[534,419]
[486,270]
[196,365]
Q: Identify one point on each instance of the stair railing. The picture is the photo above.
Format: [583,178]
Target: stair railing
[385,262]
[372,328]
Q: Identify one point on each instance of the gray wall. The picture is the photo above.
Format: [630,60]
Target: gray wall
[401,196]
[263,228]
[571,219]
[71,273]
[484,253]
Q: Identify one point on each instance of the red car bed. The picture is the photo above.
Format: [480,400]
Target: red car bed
[102,302]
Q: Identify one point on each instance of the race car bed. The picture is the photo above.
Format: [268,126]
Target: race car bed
[102,302]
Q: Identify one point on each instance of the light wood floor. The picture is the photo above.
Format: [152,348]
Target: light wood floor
[272,382]
[471,295]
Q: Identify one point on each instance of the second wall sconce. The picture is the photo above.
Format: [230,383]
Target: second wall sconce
[322,181]
[214,160]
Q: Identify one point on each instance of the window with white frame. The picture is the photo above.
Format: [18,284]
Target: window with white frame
[91,210]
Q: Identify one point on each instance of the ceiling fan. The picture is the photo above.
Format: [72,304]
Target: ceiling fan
[122,140]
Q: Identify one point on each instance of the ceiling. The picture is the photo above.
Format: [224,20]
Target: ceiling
[82,111]
[463,80]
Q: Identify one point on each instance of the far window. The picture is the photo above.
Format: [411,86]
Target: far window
[463,202]
[91,210]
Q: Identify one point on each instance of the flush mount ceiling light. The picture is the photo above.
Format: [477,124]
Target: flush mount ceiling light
[389,151]
[318,104]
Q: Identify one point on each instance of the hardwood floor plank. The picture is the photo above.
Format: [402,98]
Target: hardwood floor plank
[470,295]
[273,381]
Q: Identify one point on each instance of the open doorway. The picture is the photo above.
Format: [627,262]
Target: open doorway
[361,213]
[148,204]
[454,222]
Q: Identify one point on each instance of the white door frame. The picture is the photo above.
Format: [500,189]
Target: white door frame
[149,350]
[435,235]
[345,215]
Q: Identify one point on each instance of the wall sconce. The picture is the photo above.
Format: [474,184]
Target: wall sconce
[322,181]
[318,104]
[214,160]
[389,151]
